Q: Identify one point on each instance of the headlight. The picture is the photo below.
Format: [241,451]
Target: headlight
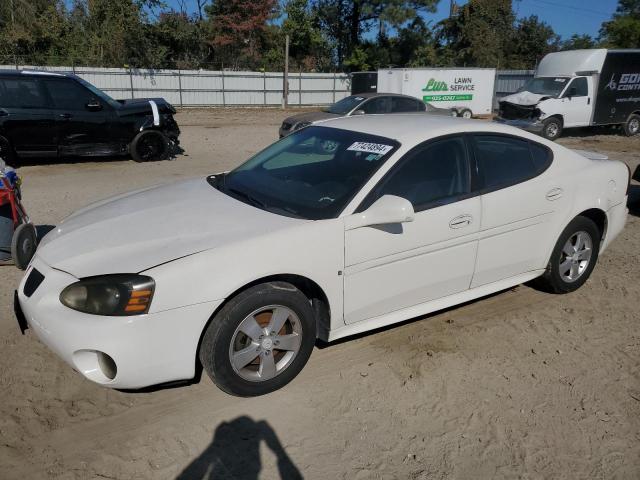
[300,125]
[110,295]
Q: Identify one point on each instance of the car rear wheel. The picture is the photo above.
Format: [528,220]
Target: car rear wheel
[466,113]
[260,340]
[632,127]
[149,145]
[552,128]
[574,257]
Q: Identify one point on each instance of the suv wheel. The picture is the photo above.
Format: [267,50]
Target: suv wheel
[260,340]
[149,145]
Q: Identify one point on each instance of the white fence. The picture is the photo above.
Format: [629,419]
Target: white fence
[191,88]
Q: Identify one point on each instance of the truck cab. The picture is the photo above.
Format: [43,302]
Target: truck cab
[572,89]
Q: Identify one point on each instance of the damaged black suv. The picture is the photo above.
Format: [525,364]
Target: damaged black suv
[46,114]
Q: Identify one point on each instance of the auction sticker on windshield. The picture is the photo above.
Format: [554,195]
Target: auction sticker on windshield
[378,148]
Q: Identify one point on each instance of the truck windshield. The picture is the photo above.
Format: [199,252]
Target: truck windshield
[551,86]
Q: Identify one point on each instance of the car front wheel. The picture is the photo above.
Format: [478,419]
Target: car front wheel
[149,145]
[574,257]
[260,340]
[552,128]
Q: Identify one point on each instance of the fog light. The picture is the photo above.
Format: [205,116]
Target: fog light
[107,365]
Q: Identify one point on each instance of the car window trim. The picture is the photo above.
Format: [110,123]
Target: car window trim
[482,190]
[402,160]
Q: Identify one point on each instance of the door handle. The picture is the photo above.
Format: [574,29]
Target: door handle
[554,194]
[589,101]
[65,115]
[461,221]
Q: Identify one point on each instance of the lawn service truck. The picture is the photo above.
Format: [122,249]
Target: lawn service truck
[467,92]
[578,88]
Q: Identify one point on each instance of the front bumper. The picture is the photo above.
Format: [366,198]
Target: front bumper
[146,349]
[530,125]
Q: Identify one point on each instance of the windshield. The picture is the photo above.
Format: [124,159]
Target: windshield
[345,105]
[311,174]
[99,93]
[551,86]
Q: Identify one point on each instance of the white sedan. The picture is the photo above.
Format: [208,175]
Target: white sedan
[335,230]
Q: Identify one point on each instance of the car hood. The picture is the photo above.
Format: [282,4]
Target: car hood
[139,230]
[310,117]
[524,98]
[141,105]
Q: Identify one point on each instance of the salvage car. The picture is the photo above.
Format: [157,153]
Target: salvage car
[48,114]
[335,230]
[362,104]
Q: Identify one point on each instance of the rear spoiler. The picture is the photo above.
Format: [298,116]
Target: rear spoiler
[591,155]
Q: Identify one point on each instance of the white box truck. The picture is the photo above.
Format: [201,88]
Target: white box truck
[467,91]
[578,88]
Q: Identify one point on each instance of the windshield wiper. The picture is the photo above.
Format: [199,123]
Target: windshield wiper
[250,198]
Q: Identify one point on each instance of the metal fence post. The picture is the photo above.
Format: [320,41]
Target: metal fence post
[224,103]
[300,87]
[264,88]
[131,81]
[334,87]
[180,86]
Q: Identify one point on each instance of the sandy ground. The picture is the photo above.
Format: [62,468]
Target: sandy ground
[521,384]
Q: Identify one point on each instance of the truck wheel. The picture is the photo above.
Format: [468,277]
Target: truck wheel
[632,127]
[552,128]
[148,146]
[465,113]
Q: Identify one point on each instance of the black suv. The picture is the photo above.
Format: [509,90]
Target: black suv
[45,114]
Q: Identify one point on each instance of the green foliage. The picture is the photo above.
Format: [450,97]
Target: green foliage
[623,30]
[352,35]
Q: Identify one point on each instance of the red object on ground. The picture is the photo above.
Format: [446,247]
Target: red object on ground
[9,196]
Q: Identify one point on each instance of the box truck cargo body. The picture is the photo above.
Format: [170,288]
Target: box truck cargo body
[469,91]
[578,88]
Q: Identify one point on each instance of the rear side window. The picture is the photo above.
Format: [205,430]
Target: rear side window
[67,94]
[376,105]
[21,92]
[401,104]
[505,161]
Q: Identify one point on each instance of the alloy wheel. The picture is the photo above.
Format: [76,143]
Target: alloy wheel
[575,256]
[265,343]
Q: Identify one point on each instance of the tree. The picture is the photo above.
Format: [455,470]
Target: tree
[532,40]
[238,28]
[577,42]
[308,46]
[623,30]
[479,34]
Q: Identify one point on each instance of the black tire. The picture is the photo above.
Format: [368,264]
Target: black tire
[553,279]
[552,128]
[149,146]
[632,126]
[6,152]
[221,337]
[23,245]
[465,113]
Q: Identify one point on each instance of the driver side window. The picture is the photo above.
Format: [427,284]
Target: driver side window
[376,105]
[429,175]
[68,94]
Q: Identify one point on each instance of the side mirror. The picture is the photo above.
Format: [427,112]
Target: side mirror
[358,112]
[93,106]
[387,209]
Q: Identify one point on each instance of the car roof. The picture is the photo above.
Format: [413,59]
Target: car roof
[20,73]
[382,94]
[417,127]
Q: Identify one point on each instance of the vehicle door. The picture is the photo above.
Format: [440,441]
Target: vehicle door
[83,121]
[521,202]
[577,102]
[395,266]
[25,116]
[406,105]
[376,105]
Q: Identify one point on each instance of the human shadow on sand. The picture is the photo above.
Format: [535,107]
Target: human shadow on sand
[234,453]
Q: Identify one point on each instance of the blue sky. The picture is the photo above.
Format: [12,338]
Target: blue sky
[565,16]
